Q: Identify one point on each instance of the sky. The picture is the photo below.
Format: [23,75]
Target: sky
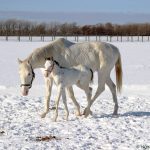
[14,8]
[139,6]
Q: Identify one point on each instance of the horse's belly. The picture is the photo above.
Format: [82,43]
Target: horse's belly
[69,81]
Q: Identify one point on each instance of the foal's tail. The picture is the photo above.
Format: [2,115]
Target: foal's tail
[118,68]
[91,75]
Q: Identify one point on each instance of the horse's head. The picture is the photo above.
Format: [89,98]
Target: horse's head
[26,76]
[49,65]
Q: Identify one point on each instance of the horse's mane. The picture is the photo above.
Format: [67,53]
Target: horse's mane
[92,75]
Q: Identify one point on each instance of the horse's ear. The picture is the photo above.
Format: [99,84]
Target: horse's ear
[19,61]
[28,62]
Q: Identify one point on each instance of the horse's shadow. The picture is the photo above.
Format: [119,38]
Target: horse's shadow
[130,113]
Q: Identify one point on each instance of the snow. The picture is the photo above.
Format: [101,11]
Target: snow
[21,123]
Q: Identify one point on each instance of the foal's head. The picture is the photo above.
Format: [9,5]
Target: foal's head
[49,65]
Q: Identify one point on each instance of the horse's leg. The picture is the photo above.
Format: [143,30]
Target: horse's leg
[59,92]
[112,88]
[102,77]
[103,74]
[71,95]
[65,103]
[48,85]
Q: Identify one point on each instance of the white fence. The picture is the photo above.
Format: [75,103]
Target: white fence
[77,38]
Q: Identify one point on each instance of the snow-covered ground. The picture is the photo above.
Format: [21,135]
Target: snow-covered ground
[20,122]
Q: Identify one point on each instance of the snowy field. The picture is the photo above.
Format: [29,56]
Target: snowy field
[20,122]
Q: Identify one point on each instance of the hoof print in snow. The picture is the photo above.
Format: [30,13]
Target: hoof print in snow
[53,108]
[46,138]
[2,132]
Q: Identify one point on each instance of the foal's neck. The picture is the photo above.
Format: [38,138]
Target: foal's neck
[56,68]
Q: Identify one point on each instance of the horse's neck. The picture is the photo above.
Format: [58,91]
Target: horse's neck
[37,59]
[37,64]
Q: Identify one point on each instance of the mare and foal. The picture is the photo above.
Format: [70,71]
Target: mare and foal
[100,57]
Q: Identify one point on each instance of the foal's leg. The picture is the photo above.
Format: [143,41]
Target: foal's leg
[87,109]
[59,92]
[71,95]
[48,85]
[112,88]
[88,92]
[65,103]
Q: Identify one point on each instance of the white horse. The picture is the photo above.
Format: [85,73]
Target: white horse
[98,56]
[66,77]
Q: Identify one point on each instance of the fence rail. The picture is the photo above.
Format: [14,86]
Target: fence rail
[77,38]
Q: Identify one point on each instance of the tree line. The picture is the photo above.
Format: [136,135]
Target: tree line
[27,28]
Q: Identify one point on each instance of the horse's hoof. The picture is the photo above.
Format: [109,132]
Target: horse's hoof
[86,115]
[78,113]
[85,110]
[54,119]
[66,118]
[43,115]
[91,112]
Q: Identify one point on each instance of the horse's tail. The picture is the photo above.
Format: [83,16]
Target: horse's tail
[91,75]
[118,68]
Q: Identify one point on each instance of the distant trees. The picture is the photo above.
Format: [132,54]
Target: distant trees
[14,27]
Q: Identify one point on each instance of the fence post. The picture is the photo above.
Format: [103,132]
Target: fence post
[6,37]
[77,38]
[110,38]
[131,38]
[99,38]
[19,38]
[142,38]
[121,38]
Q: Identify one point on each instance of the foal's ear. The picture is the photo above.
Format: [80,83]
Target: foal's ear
[19,61]
[48,58]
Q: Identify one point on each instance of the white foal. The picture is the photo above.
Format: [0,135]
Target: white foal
[65,78]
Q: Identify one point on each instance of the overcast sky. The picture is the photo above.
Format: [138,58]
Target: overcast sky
[139,8]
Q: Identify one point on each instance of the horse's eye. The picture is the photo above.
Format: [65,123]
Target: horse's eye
[28,74]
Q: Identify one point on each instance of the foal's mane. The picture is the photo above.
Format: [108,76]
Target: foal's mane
[56,62]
